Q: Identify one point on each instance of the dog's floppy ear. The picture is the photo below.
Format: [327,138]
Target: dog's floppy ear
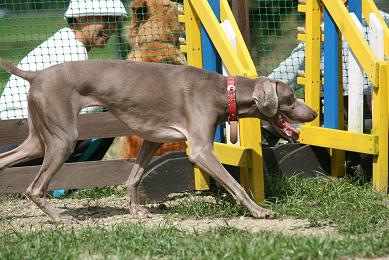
[265,96]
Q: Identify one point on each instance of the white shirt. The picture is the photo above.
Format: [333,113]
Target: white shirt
[62,46]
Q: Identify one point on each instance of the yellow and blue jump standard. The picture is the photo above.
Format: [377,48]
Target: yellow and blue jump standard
[376,68]
[247,156]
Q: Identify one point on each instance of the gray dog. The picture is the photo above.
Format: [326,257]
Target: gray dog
[157,102]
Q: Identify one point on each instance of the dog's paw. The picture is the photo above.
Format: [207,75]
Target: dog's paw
[263,213]
[139,212]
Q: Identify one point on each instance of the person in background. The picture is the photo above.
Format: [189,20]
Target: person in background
[91,23]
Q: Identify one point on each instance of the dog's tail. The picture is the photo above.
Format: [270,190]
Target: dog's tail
[11,68]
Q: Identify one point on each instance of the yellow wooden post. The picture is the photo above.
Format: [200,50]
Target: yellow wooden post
[193,50]
[253,179]
[338,157]
[250,135]
[380,128]
[312,57]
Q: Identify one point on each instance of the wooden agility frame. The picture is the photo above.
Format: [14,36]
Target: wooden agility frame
[375,143]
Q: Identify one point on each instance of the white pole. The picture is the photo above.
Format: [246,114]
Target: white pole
[355,89]
[229,31]
[376,37]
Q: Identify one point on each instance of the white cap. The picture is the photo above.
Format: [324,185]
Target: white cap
[79,8]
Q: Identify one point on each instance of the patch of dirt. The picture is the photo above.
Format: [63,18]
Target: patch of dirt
[23,215]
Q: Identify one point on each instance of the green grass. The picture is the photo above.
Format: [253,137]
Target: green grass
[126,241]
[352,207]
[355,210]
[349,206]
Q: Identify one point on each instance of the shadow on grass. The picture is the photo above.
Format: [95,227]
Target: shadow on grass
[95,212]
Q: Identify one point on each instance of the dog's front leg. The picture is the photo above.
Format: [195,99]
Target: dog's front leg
[144,157]
[203,156]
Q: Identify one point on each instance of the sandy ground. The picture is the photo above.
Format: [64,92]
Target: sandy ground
[23,215]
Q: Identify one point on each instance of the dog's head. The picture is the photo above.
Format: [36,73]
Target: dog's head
[278,105]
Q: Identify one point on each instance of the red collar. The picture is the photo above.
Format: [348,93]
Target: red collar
[231,92]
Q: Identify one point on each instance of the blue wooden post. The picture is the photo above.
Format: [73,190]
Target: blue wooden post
[355,6]
[331,65]
[331,72]
[211,59]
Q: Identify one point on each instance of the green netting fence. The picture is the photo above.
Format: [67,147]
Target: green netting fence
[35,34]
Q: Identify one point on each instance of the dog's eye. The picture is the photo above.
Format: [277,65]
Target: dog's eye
[290,100]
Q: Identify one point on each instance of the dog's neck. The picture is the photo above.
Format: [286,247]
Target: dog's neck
[245,103]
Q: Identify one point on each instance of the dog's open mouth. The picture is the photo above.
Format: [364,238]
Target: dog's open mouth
[285,127]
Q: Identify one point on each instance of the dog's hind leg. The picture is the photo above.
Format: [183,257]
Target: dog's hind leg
[144,157]
[30,149]
[55,155]
[58,132]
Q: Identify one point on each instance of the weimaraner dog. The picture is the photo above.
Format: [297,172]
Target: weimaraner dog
[158,102]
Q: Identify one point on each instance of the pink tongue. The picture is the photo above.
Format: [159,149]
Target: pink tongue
[290,131]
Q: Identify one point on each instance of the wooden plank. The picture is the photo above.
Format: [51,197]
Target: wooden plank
[193,36]
[13,131]
[339,139]
[312,58]
[380,128]
[331,72]
[250,137]
[92,125]
[232,155]
[71,176]
[355,90]
[193,51]
[380,107]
